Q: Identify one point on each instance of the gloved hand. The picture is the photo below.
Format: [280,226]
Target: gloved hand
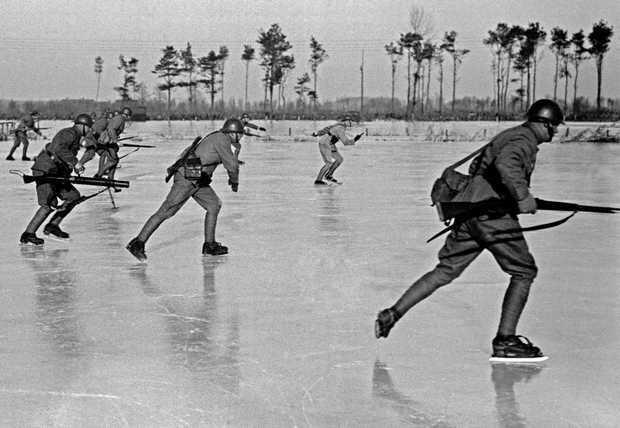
[358,136]
[78,168]
[233,186]
[527,205]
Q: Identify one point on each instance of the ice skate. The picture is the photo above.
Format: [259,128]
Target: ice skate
[30,238]
[515,349]
[54,231]
[214,249]
[385,321]
[136,248]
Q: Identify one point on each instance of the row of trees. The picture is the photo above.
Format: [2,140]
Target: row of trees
[516,52]
[183,69]
[519,49]
[515,49]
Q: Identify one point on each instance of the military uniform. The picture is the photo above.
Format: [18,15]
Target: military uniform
[502,170]
[92,141]
[58,159]
[213,150]
[107,146]
[21,136]
[328,137]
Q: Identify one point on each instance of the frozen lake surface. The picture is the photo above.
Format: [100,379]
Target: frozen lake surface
[279,332]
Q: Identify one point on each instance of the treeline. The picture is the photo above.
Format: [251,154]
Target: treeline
[193,86]
[380,108]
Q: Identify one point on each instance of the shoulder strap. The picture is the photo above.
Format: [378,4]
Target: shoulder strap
[468,157]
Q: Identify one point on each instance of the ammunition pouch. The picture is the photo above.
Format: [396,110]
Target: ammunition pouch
[192,168]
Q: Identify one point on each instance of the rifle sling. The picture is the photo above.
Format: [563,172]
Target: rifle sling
[519,229]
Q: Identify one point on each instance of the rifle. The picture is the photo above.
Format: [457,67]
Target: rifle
[127,138]
[172,169]
[249,134]
[141,146]
[72,179]
[461,211]
[498,206]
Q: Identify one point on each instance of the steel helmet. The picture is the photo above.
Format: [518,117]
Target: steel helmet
[545,110]
[126,111]
[34,113]
[232,125]
[84,119]
[245,116]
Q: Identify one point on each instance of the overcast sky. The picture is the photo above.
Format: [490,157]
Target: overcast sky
[47,47]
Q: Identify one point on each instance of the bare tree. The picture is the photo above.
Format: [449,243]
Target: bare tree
[420,22]
[409,42]
[222,56]
[317,57]
[457,57]
[395,52]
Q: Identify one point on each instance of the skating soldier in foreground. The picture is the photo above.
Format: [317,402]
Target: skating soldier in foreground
[502,170]
[328,137]
[58,159]
[192,177]
[27,122]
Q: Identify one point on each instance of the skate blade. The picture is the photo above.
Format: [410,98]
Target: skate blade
[51,237]
[31,245]
[518,360]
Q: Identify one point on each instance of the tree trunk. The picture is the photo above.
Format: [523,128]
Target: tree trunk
[247,69]
[454,62]
[315,94]
[555,77]
[575,89]
[407,110]
[535,63]
[440,88]
[98,86]
[428,85]
[599,80]
[393,84]
[169,100]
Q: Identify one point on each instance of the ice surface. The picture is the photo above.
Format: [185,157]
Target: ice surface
[280,331]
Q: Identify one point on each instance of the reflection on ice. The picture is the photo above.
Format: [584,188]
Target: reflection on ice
[504,377]
[279,332]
